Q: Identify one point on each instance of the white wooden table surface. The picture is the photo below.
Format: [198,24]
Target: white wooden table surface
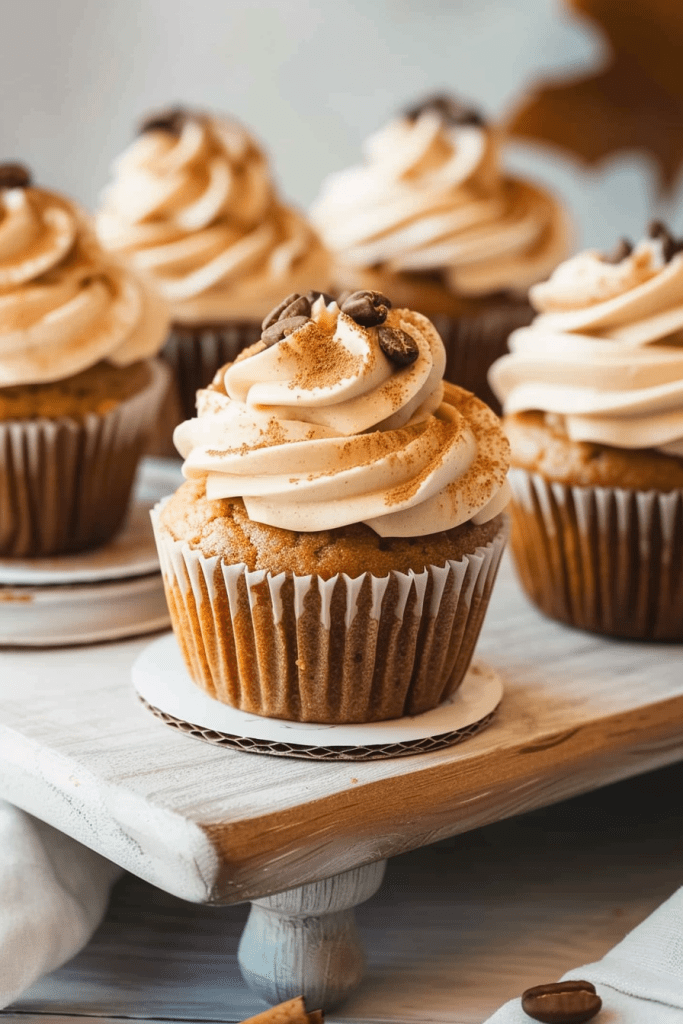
[213,825]
[456,929]
[216,825]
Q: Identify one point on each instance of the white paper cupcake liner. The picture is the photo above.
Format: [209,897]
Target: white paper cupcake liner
[65,485]
[475,340]
[196,353]
[604,559]
[340,650]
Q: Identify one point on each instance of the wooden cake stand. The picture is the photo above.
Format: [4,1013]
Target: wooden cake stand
[306,841]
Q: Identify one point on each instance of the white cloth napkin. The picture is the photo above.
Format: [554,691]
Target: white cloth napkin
[53,895]
[640,981]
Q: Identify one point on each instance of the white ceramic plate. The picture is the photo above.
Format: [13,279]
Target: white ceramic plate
[131,553]
[82,613]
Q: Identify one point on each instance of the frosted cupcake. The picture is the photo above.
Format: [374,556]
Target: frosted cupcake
[78,390]
[331,555]
[432,220]
[194,207]
[593,400]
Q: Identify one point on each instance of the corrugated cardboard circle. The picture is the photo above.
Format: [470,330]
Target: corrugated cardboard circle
[166,689]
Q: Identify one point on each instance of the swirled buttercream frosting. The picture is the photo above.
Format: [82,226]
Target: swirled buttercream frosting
[193,206]
[65,304]
[337,417]
[431,198]
[604,356]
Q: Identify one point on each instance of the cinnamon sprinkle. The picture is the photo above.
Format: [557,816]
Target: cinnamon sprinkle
[322,361]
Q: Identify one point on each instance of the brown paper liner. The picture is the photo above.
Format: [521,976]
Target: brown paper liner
[194,355]
[341,650]
[609,560]
[64,484]
[474,340]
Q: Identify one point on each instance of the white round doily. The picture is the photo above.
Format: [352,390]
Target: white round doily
[165,687]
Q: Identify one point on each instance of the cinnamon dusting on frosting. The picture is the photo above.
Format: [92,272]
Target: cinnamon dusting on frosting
[197,210]
[604,359]
[433,201]
[321,361]
[65,304]
[323,430]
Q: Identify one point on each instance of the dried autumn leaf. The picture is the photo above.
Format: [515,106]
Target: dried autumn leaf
[633,102]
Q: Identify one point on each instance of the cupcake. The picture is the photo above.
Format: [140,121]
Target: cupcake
[431,219]
[593,400]
[331,555]
[194,207]
[79,390]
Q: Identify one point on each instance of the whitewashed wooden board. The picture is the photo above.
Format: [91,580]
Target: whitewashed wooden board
[457,928]
[213,825]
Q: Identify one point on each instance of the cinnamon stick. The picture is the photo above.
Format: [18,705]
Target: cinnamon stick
[293,1011]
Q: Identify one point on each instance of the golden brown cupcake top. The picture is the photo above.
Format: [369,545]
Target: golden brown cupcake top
[540,445]
[99,389]
[223,528]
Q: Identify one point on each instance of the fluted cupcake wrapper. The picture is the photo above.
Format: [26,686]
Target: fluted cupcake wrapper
[474,340]
[603,559]
[196,353]
[340,650]
[65,484]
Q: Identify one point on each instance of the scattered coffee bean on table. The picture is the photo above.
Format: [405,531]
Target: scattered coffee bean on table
[563,1002]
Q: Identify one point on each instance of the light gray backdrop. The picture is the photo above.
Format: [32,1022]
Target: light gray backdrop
[311,79]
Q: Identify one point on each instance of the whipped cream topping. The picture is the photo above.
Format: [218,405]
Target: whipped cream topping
[431,197]
[65,304]
[195,208]
[606,351]
[322,430]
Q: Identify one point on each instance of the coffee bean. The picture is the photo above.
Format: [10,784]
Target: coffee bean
[623,249]
[452,111]
[367,308]
[277,312]
[397,346]
[313,296]
[671,246]
[299,307]
[564,1002]
[14,176]
[282,328]
[171,121]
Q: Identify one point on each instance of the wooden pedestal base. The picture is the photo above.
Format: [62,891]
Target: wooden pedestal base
[304,941]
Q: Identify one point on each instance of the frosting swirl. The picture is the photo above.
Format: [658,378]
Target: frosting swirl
[431,197]
[606,352]
[322,430]
[193,206]
[65,304]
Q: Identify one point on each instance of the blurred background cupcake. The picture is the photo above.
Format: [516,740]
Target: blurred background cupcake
[432,220]
[79,391]
[593,399]
[194,207]
[331,556]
